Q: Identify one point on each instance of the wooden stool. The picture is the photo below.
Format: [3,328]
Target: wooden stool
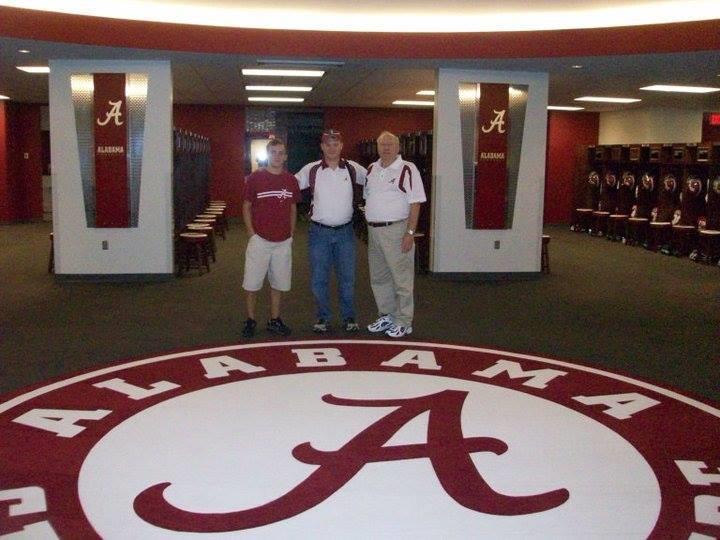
[659,235]
[708,245]
[583,219]
[683,240]
[194,250]
[51,260]
[600,222]
[419,237]
[205,229]
[213,222]
[220,216]
[617,227]
[545,255]
[636,231]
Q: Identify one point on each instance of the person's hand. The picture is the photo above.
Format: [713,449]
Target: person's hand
[407,243]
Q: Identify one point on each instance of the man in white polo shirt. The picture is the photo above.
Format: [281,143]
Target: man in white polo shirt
[334,185]
[393,195]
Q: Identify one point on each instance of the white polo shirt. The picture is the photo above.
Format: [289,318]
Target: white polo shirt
[390,191]
[333,192]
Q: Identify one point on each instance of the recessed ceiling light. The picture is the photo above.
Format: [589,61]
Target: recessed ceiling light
[272,61]
[413,103]
[682,89]
[4,97]
[277,99]
[577,66]
[34,69]
[425,93]
[562,108]
[279,88]
[607,99]
[283,72]
[23,51]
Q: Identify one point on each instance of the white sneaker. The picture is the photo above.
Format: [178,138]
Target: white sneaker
[396,331]
[381,324]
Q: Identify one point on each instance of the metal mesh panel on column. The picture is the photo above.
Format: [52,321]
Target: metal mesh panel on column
[136,90]
[82,88]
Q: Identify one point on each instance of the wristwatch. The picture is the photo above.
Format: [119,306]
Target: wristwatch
[410,232]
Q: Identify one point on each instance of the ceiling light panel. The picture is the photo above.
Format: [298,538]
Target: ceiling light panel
[277,99]
[425,93]
[256,88]
[3,97]
[282,73]
[599,99]
[413,103]
[34,69]
[680,89]
[564,108]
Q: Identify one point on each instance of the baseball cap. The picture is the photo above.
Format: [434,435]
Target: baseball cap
[330,135]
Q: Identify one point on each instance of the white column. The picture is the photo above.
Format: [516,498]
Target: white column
[145,251]
[455,249]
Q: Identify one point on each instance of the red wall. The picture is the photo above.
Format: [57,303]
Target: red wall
[566,131]
[710,133]
[225,126]
[356,124]
[20,178]
[5,207]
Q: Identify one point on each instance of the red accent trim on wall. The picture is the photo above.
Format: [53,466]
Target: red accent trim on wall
[566,131]
[356,124]
[225,126]
[687,36]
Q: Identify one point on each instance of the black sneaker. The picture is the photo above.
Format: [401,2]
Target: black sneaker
[321,326]
[277,327]
[349,325]
[249,328]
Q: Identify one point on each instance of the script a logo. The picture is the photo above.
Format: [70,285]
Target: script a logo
[114,114]
[498,122]
[448,450]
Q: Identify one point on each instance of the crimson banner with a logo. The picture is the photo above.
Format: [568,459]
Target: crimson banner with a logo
[491,174]
[112,205]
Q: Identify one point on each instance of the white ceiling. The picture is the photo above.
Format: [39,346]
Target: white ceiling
[388,15]
[216,78]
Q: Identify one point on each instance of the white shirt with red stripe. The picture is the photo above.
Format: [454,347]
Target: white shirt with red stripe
[332,190]
[389,191]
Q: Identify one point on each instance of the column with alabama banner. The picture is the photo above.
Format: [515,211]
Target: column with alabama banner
[489,169]
[111,133]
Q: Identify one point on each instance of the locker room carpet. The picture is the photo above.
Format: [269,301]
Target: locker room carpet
[356,439]
[605,306]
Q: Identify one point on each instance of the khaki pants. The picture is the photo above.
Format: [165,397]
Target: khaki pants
[392,272]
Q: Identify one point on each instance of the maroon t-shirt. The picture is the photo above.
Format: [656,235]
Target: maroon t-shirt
[272,196]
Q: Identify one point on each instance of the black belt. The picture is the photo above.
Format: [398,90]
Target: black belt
[333,227]
[382,223]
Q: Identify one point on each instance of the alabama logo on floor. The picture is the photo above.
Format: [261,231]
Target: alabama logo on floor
[357,439]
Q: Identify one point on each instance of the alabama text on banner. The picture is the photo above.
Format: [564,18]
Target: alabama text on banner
[112,206]
[491,174]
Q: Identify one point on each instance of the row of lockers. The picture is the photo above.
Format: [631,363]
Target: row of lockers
[679,153]
[417,145]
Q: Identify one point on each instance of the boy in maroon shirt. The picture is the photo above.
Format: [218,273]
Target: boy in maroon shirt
[269,212]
